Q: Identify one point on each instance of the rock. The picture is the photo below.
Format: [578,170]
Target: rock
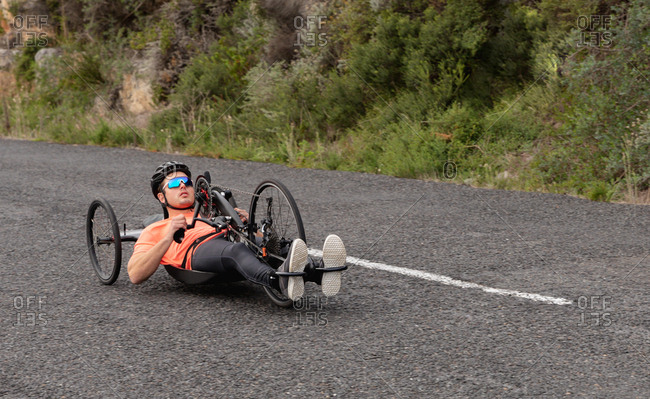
[7,85]
[137,90]
[32,7]
[45,55]
[4,24]
[137,95]
[101,107]
[7,59]
[378,5]
[503,175]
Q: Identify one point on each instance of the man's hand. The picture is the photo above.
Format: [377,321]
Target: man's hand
[243,215]
[177,222]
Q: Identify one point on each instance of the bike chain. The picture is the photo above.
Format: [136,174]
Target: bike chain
[234,190]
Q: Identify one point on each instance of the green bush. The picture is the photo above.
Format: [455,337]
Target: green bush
[608,95]
[399,88]
[25,69]
[117,136]
[411,152]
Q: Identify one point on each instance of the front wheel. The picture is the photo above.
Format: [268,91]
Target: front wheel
[276,222]
[104,241]
[202,190]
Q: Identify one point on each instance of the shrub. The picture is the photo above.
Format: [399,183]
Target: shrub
[25,69]
[606,91]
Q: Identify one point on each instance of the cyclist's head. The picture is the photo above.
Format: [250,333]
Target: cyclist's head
[165,170]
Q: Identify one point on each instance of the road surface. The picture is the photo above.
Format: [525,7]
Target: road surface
[452,292]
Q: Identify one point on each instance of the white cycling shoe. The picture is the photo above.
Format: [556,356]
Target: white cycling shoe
[334,256]
[291,272]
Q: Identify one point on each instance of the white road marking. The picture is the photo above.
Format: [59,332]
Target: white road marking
[448,280]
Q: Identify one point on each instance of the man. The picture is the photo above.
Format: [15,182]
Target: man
[205,249]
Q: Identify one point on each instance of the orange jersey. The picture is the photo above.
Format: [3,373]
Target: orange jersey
[153,233]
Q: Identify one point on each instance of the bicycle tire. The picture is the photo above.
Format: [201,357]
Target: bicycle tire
[102,231]
[284,213]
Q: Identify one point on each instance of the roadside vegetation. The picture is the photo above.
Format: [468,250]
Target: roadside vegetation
[531,95]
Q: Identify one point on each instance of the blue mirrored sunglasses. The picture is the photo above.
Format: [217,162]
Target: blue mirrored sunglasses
[176,182]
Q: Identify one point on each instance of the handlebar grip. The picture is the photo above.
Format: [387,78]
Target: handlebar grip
[179,235]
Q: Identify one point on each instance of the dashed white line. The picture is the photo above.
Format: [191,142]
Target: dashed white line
[438,278]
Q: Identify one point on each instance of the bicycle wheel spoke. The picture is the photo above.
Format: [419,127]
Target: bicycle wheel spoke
[284,219]
[104,264]
[102,229]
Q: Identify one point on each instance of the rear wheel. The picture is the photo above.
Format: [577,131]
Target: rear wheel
[276,222]
[104,241]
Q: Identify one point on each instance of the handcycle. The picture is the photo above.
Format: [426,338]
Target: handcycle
[274,222]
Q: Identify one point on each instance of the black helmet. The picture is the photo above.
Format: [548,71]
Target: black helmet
[163,170]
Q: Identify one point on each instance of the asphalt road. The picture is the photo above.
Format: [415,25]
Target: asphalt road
[384,336]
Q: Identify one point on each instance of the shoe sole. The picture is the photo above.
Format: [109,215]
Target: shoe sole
[299,254]
[333,256]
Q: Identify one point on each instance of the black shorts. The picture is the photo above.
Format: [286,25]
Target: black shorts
[231,260]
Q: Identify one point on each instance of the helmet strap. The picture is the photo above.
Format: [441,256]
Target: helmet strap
[173,207]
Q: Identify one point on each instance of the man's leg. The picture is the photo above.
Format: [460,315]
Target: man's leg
[222,256]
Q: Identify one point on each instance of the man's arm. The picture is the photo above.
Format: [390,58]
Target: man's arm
[143,265]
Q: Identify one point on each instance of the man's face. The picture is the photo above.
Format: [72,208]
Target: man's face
[180,196]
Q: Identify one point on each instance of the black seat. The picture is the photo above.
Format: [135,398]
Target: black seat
[152,219]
